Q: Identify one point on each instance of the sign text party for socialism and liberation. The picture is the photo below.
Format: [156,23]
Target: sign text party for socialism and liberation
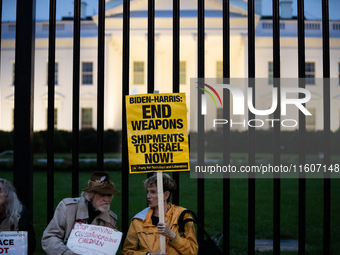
[157,132]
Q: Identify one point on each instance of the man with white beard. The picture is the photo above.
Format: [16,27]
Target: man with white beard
[93,207]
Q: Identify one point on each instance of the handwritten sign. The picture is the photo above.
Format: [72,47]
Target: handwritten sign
[13,242]
[93,240]
[157,132]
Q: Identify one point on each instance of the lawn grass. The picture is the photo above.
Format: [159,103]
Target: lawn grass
[67,155]
[214,206]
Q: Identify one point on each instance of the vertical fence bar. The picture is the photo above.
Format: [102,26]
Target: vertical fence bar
[125,89]
[251,130]
[226,128]
[151,50]
[0,27]
[175,80]
[277,113]
[101,79]
[75,108]
[0,31]
[200,152]
[24,99]
[327,128]
[302,127]
[151,46]
[50,109]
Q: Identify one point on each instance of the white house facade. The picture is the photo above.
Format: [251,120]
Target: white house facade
[163,61]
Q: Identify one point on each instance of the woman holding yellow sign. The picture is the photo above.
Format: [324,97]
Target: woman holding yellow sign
[145,229]
[13,215]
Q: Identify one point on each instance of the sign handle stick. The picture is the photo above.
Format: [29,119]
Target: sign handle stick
[160,202]
[161,207]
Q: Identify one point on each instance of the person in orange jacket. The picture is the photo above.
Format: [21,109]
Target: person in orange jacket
[145,229]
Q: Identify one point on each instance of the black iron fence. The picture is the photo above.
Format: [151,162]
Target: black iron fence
[24,86]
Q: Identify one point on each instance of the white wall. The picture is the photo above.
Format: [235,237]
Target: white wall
[163,68]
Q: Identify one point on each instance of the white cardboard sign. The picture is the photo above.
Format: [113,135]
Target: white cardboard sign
[93,240]
[13,242]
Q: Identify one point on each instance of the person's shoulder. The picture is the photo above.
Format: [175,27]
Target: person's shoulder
[177,211]
[113,215]
[70,201]
[178,208]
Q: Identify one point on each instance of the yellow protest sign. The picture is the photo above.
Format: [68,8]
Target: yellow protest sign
[157,132]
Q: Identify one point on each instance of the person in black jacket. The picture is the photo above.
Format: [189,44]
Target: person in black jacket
[13,215]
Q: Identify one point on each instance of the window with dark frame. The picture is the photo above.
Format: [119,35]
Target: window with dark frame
[267,25]
[87,73]
[219,69]
[86,118]
[55,118]
[12,28]
[312,26]
[311,120]
[219,115]
[270,73]
[310,73]
[138,72]
[13,74]
[55,73]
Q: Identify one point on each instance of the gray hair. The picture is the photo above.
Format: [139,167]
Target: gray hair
[12,204]
[87,195]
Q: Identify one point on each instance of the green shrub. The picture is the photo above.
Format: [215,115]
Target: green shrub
[39,142]
[60,141]
[63,141]
[335,142]
[67,166]
[264,141]
[87,141]
[112,141]
[6,139]
[6,166]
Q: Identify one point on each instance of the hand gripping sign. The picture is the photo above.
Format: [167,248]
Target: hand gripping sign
[157,138]
[93,240]
[157,132]
[13,242]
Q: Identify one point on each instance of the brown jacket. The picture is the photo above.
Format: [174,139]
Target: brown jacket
[66,214]
[143,237]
